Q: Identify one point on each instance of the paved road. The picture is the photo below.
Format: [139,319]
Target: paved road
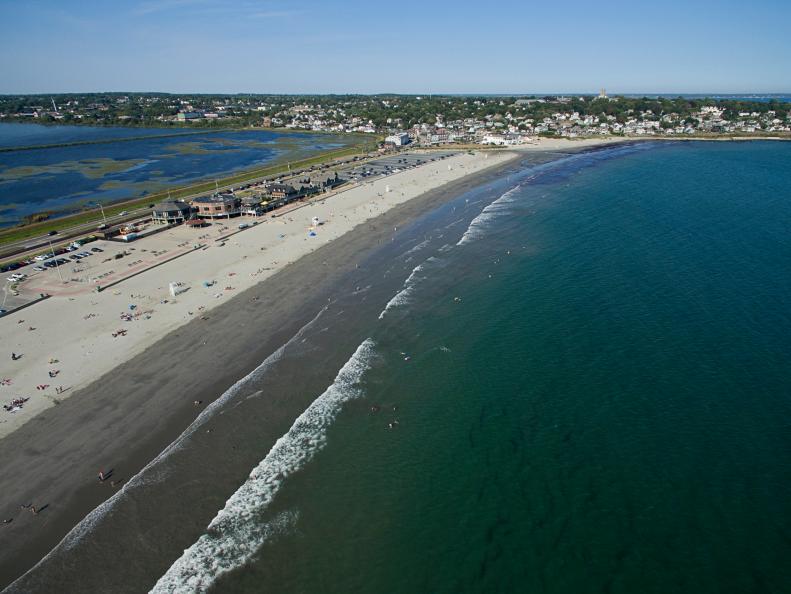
[34,245]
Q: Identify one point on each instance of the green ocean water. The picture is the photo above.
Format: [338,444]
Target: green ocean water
[604,408]
[585,361]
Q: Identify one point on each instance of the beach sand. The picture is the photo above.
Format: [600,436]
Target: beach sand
[131,395]
[74,329]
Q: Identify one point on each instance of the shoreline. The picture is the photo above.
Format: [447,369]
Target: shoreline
[72,330]
[59,216]
[124,418]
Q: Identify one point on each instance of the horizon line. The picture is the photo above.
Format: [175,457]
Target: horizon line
[414,94]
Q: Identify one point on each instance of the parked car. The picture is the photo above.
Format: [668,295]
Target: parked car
[39,268]
[97,250]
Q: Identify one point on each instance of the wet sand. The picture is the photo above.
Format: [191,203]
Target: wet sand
[123,420]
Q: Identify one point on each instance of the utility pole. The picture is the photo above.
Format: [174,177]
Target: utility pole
[57,266]
[102,209]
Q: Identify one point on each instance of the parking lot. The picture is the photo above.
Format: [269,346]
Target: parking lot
[395,163]
[95,264]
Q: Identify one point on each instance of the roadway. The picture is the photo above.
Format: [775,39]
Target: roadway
[34,245]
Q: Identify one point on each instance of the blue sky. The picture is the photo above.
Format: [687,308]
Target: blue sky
[404,46]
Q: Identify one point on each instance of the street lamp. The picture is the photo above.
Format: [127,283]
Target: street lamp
[57,266]
[99,204]
[5,292]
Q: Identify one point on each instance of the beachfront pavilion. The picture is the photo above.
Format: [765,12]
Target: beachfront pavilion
[217,206]
[171,212]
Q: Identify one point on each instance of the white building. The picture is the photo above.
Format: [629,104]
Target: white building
[399,139]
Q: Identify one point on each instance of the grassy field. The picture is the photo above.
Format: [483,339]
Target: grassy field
[36,229]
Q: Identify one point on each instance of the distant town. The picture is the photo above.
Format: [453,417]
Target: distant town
[414,119]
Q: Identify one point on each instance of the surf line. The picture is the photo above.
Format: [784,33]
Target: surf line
[498,207]
[488,213]
[142,478]
[400,298]
[237,532]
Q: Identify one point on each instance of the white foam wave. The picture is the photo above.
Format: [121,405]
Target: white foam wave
[492,211]
[234,536]
[150,473]
[402,297]
[417,248]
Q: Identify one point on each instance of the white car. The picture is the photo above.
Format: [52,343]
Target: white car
[39,268]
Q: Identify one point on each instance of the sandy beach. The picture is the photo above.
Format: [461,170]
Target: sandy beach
[137,365]
[79,335]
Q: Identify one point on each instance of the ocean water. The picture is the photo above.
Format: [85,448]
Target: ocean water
[142,161]
[573,378]
[606,409]
[757,97]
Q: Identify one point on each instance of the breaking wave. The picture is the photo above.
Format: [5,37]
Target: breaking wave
[236,533]
[402,297]
[150,473]
[493,210]
[416,248]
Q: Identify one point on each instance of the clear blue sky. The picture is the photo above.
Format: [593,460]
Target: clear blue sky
[406,46]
